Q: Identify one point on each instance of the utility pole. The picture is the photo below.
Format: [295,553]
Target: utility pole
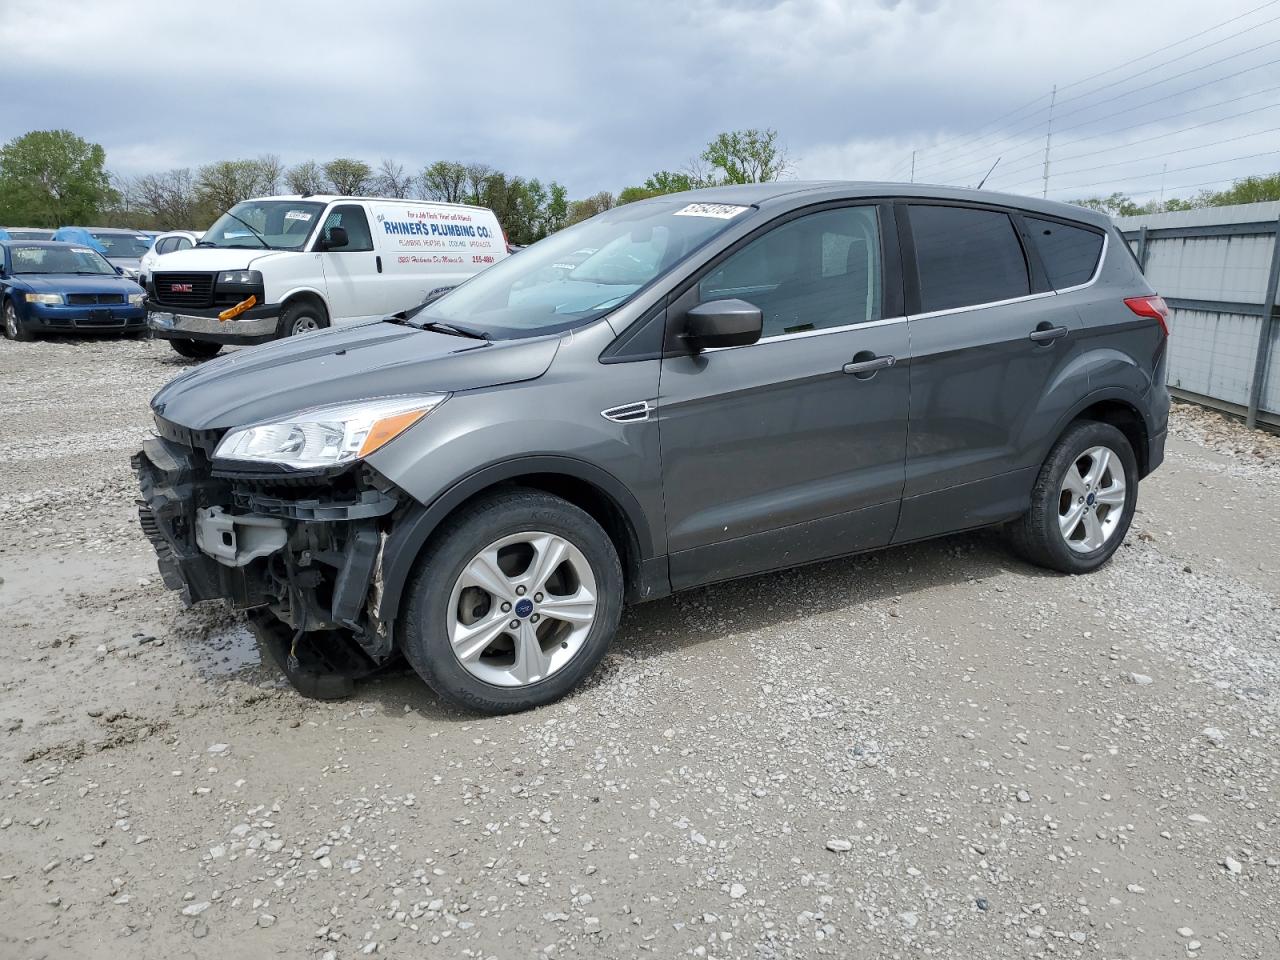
[913,166]
[1048,137]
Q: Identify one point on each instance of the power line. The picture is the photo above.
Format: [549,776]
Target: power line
[987,150]
[1146,140]
[1146,176]
[1094,76]
[1153,156]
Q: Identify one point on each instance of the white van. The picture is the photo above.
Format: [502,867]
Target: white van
[278,266]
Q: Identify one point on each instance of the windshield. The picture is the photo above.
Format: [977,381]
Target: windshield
[30,234]
[59,260]
[130,245]
[581,273]
[264,224]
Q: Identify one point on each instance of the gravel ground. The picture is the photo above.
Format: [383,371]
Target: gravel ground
[934,751]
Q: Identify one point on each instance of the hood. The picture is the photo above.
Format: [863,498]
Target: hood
[218,258]
[77,283]
[352,363]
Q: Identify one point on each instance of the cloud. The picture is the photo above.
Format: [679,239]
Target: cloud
[598,96]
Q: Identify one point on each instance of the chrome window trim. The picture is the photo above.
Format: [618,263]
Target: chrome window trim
[820,332]
[982,306]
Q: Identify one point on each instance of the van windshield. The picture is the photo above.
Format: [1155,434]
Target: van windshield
[581,273]
[264,224]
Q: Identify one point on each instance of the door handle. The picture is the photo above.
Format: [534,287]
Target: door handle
[378,260]
[860,367]
[1047,334]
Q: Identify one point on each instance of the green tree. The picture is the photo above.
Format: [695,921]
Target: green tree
[747,156]
[349,177]
[1248,190]
[557,213]
[305,177]
[580,210]
[224,183]
[50,178]
[444,180]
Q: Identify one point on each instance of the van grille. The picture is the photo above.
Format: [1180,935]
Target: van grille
[184,289]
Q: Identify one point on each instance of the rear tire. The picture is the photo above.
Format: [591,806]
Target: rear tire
[1083,501]
[196,349]
[14,328]
[299,318]
[556,577]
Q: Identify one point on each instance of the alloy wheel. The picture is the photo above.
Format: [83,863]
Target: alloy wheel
[1091,500]
[521,609]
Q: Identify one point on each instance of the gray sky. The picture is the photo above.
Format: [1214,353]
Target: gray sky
[598,95]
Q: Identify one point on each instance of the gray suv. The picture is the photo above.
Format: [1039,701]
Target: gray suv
[678,391]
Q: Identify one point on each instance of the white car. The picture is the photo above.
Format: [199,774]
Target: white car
[274,267]
[170,242]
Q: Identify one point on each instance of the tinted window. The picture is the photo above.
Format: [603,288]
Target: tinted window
[167,245]
[181,243]
[966,256]
[820,270]
[1069,254]
[352,219]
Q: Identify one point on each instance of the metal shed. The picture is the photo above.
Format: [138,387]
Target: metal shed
[1218,268]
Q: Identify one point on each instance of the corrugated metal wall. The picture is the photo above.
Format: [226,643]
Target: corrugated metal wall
[1216,266]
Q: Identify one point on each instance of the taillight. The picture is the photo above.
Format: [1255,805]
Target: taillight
[1152,307]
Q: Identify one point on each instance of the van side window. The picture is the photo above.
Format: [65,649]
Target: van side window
[1069,254]
[352,219]
[966,257]
[817,271]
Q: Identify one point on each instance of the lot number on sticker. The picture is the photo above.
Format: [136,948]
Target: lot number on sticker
[297,215]
[721,211]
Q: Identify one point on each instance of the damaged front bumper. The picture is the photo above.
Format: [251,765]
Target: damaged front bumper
[302,552]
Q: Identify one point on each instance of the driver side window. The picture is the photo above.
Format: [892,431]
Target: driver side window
[817,271]
[352,219]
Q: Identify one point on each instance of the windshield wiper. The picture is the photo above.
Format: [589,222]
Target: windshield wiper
[256,235]
[439,326]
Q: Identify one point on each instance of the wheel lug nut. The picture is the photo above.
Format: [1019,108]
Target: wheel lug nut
[535,618]
[519,591]
[537,598]
[515,624]
[506,607]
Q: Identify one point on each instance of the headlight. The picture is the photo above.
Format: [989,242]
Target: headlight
[44,298]
[136,299]
[327,436]
[240,278]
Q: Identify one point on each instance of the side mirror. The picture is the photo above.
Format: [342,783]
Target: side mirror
[722,323]
[337,238]
[120,271]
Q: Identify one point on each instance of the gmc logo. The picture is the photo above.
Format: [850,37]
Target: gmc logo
[181,288]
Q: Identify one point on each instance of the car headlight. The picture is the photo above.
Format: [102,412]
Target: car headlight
[44,298]
[327,436]
[240,278]
[136,299]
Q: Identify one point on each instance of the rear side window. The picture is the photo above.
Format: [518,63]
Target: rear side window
[966,257]
[1069,254]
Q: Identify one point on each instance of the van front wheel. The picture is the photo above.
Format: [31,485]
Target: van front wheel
[299,318]
[195,349]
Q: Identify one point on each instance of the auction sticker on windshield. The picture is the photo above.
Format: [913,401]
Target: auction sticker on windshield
[721,211]
[297,215]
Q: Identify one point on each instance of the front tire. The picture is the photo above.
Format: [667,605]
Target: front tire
[196,349]
[514,601]
[299,318]
[14,328]
[1083,500]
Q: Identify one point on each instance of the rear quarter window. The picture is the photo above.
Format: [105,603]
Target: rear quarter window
[1069,254]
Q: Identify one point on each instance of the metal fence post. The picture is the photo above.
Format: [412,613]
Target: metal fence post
[1264,332]
[1142,248]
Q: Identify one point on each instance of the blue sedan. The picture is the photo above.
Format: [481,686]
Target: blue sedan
[48,287]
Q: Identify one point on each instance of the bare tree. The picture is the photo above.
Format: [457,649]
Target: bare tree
[169,198]
[391,180]
[478,176]
[270,173]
